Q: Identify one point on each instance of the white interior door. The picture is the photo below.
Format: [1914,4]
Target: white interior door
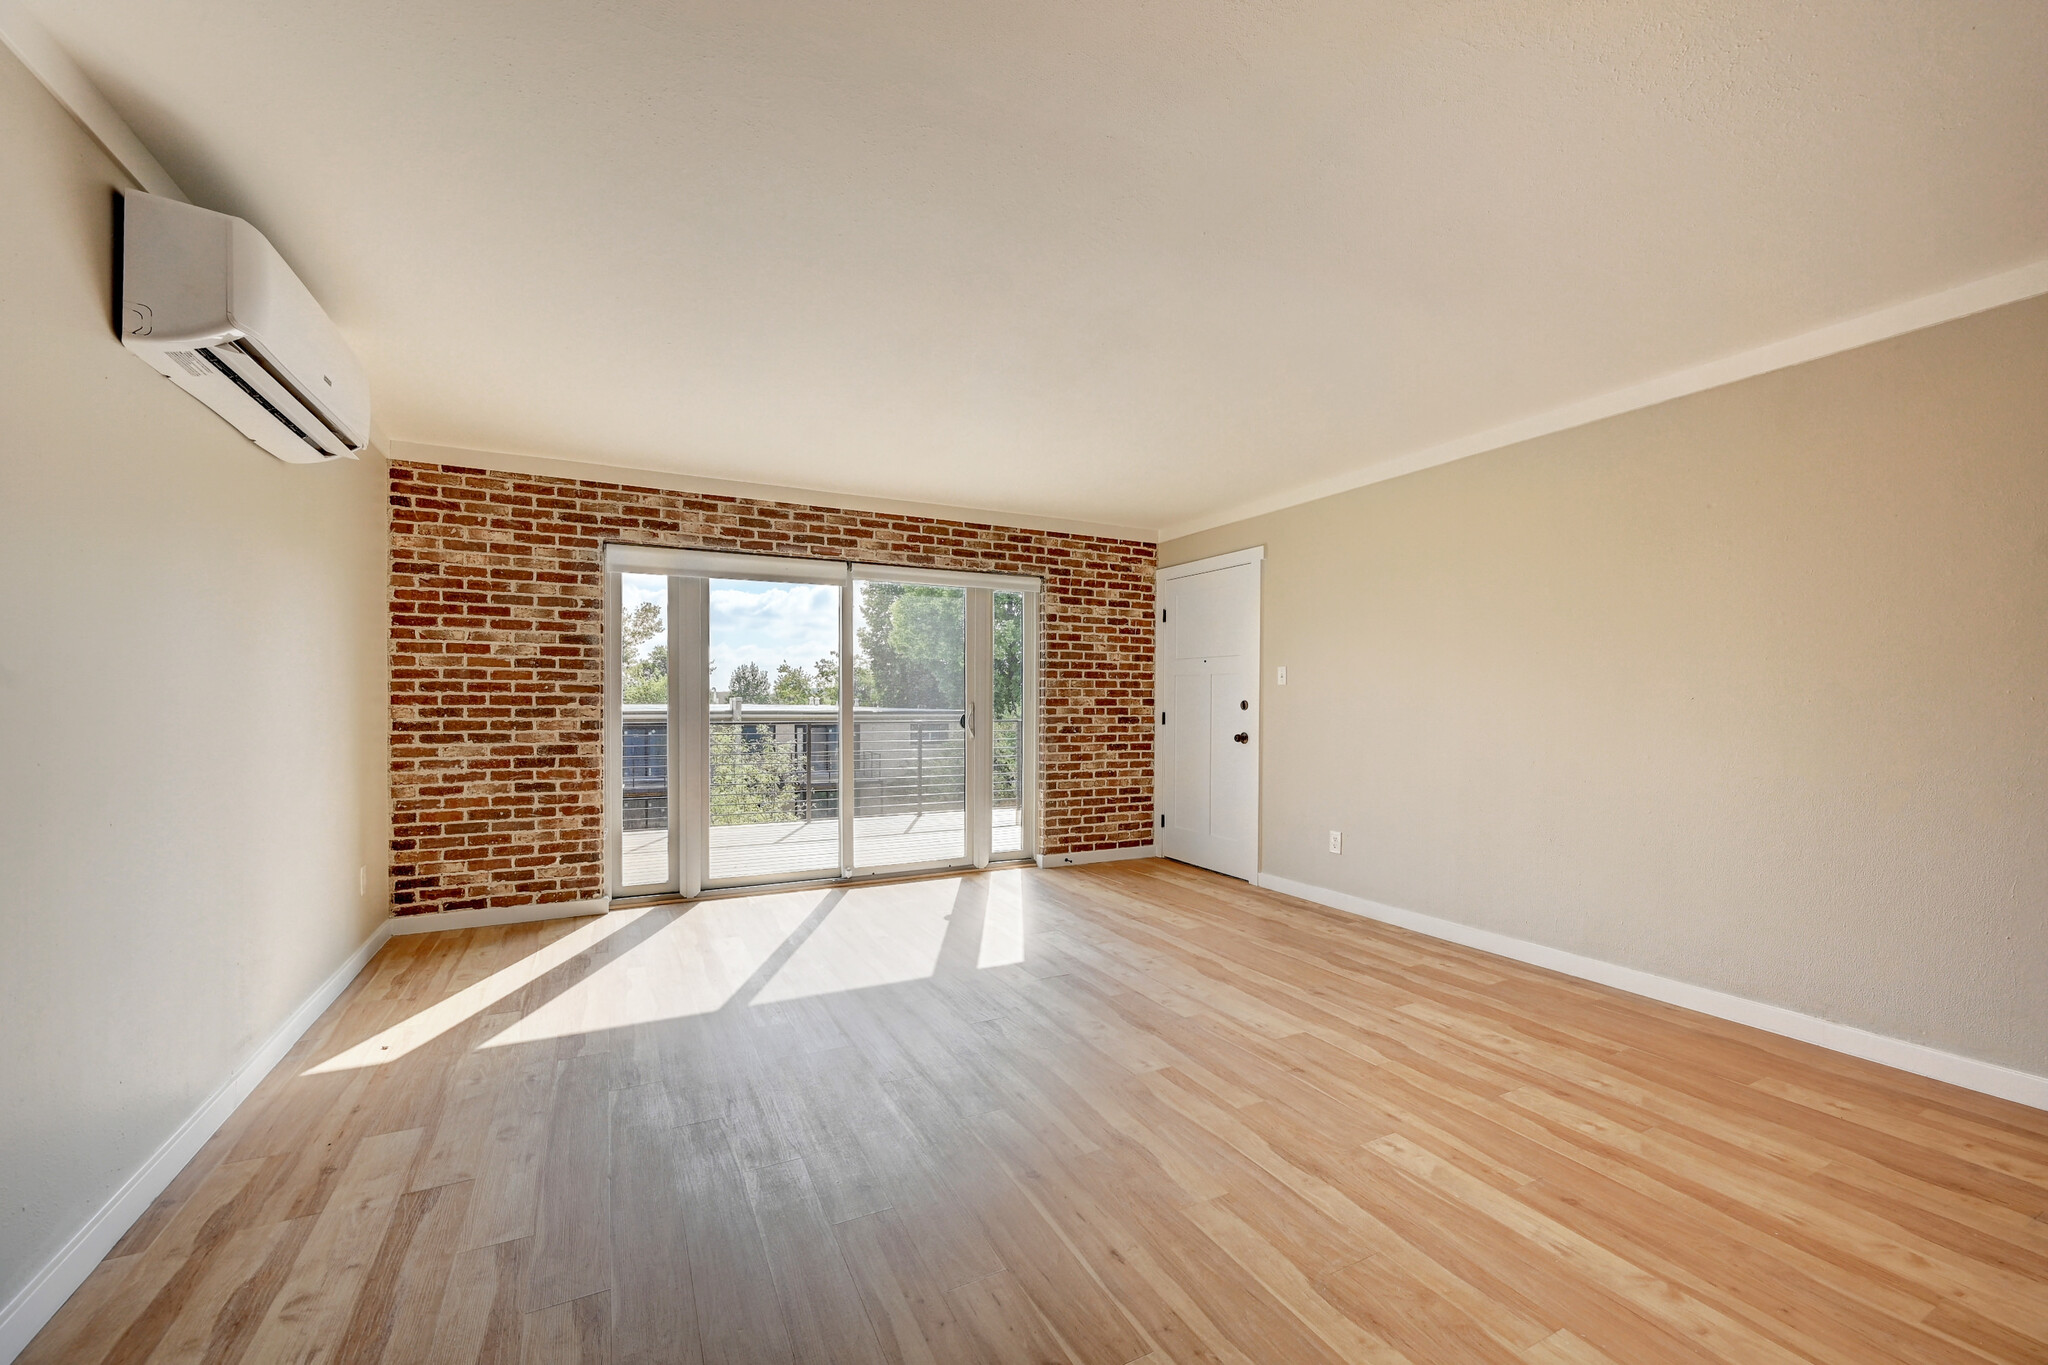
[1208,721]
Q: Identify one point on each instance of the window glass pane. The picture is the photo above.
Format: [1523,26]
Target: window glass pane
[910,749]
[643,745]
[774,729]
[1007,736]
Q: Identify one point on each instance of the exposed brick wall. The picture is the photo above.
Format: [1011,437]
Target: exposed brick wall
[497,666]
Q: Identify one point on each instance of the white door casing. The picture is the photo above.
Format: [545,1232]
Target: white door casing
[1207,721]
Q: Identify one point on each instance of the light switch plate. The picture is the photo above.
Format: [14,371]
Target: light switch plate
[1283,675]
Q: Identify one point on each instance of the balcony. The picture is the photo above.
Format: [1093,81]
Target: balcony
[776,790]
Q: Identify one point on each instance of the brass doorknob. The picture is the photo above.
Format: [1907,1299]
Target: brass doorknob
[1242,737]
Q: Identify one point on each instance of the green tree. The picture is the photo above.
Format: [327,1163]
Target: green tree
[749,682]
[825,680]
[1008,731]
[792,685]
[643,671]
[912,645]
[1009,652]
[754,779]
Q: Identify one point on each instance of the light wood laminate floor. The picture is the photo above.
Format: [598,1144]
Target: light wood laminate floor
[1108,1114]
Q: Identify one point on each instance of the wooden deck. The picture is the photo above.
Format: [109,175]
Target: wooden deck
[1128,1112]
[793,847]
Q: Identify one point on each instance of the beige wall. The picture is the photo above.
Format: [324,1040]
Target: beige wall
[1749,689]
[191,727]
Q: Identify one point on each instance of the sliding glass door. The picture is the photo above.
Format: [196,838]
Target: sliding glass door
[772,730]
[741,751]
[643,835]
[911,724]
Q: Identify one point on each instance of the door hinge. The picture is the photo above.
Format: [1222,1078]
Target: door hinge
[1162,718]
[1162,616]
[1162,822]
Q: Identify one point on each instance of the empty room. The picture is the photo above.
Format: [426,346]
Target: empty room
[1056,684]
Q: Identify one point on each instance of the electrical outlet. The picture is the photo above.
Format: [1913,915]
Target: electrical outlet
[1336,841]
[1283,675]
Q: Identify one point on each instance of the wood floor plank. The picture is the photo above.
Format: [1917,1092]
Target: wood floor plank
[1656,1298]
[572,1244]
[224,1307]
[400,1303]
[1381,1296]
[479,1320]
[653,1303]
[820,1302]
[1045,1267]
[461,1127]
[913,1321]
[95,1308]
[577,1332]
[1179,1120]
[198,1230]
[311,1311]
[1006,1326]
[504,1204]
[739,1320]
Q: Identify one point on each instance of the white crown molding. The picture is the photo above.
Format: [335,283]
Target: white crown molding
[506,462]
[26,37]
[1989,1078]
[1232,559]
[1977,296]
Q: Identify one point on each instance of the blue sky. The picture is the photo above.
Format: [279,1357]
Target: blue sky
[761,623]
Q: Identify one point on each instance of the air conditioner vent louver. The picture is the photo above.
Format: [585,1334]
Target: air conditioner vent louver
[244,386]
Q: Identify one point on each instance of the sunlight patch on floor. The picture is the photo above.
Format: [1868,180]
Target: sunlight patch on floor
[1002,928]
[694,965]
[764,949]
[873,937]
[437,1018]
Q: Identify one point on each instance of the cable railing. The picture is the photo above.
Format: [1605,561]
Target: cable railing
[764,772]
[781,764]
[1008,740]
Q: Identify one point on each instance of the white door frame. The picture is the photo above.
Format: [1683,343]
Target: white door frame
[1254,556]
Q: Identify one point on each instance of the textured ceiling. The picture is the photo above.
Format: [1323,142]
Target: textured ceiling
[1133,263]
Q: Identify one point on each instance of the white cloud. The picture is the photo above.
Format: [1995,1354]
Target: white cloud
[759,623]
[639,587]
[769,624]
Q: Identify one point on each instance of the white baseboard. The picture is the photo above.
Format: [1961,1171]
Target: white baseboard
[1098,855]
[43,1295]
[432,922]
[1987,1078]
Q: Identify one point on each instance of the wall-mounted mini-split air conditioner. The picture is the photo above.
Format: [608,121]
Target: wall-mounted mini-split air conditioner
[213,308]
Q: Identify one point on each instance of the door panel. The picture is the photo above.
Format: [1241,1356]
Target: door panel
[772,730]
[1208,644]
[1189,741]
[646,831]
[1234,774]
[1009,781]
[910,718]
